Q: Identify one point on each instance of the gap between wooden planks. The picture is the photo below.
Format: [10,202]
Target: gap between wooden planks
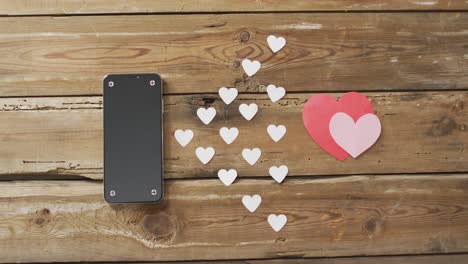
[39,7]
[407,259]
[202,219]
[61,137]
[199,53]
[419,259]
[415,259]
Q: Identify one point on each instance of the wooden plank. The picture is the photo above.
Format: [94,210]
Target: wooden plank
[24,7]
[200,53]
[62,137]
[414,259]
[202,219]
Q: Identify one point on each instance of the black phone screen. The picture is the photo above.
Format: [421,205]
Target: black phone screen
[133,149]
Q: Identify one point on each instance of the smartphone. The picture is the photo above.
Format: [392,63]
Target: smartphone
[133,138]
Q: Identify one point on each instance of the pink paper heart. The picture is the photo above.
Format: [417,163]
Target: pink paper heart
[355,138]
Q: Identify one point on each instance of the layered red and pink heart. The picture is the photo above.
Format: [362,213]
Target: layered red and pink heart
[344,127]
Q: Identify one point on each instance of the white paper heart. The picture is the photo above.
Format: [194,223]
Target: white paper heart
[276,132]
[248,111]
[355,138]
[252,202]
[205,154]
[183,136]
[277,222]
[279,173]
[206,115]
[229,134]
[251,67]
[275,93]
[227,94]
[251,155]
[227,177]
[276,43]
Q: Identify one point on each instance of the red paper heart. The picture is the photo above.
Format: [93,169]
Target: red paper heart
[320,108]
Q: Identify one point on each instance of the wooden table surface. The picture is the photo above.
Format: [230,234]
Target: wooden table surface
[403,201]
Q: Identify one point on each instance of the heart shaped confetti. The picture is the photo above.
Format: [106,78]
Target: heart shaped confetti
[206,115]
[251,67]
[279,173]
[252,202]
[353,137]
[183,136]
[248,111]
[319,110]
[276,132]
[228,94]
[229,134]
[275,93]
[251,155]
[276,43]
[277,222]
[205,154]
[227,176]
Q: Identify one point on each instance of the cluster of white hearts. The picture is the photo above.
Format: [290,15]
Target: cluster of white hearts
[229,135]
[248,111]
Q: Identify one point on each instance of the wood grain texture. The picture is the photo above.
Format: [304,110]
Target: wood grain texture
[423,132]
[202,219]
[200,53]
[25,7]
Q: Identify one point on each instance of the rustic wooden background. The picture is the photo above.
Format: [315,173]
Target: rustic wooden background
[404,201]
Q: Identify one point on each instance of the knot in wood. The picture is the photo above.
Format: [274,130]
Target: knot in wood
[159,227]
[41,218]
[373,226]
[443,127]
[244,36]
